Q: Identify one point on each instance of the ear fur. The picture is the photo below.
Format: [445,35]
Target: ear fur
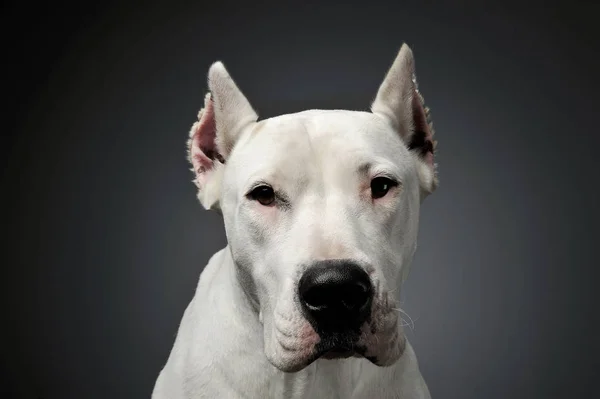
[399,101]
[233,112]
[225,116]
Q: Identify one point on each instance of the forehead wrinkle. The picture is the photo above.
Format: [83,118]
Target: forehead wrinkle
[312,147]
[285,143]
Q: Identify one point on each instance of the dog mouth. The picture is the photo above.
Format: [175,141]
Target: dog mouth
[339,347]
[340,353]
[378,349]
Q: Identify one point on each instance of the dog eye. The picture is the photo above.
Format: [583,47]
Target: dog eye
[263,194]
[380,186]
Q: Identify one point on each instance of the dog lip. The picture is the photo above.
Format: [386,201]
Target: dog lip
[338,354]
[341,352]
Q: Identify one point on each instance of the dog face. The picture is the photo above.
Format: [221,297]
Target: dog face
[321,213]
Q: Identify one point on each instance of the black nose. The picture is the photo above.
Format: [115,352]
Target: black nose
[336,295]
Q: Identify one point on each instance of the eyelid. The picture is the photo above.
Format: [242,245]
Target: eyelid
[387,175]
[257,184]
[279,195]
[381,168]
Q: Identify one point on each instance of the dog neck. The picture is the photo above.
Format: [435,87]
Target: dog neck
[245,296]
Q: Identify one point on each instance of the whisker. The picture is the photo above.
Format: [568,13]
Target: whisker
[412,322]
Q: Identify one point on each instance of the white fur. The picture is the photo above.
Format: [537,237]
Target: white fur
[242,335]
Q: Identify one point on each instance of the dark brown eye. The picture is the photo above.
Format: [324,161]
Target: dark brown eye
[380,186]
[263,194]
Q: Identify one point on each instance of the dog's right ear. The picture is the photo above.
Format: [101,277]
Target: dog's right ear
[226,114]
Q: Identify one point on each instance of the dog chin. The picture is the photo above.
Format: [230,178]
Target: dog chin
[295,365]
[339,354]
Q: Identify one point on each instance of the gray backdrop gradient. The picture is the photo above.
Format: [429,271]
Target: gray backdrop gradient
[104,239]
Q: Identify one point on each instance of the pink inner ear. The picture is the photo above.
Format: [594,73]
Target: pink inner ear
[203,148]
[422,138]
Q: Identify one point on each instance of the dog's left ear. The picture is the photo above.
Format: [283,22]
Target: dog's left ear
[400,102]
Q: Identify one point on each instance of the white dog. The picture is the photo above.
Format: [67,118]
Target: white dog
[321,212]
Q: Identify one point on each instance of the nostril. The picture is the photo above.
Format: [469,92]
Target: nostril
[315,297]
[353,296]
[354,302]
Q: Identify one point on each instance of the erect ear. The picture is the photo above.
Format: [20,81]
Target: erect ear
[225,115]
[400,102]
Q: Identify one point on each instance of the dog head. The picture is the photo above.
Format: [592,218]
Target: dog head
[321,212]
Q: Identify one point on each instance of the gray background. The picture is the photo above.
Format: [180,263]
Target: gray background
[103,238]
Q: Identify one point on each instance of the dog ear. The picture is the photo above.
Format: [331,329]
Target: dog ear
[400,102]
[233,112]
[225,115]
